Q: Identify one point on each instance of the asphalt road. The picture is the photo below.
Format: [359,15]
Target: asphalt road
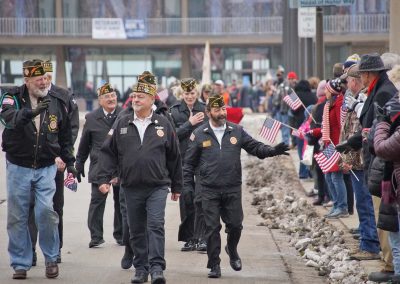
[265,254]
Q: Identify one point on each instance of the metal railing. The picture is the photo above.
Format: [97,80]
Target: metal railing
[156,27]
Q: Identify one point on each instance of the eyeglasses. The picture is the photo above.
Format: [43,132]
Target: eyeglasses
[109,96]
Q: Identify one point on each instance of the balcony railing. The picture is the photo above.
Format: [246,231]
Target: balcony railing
[157,27]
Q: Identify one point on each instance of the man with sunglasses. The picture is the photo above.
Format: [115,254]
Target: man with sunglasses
[98,124]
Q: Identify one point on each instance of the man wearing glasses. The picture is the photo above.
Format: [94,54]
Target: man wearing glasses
[98,124]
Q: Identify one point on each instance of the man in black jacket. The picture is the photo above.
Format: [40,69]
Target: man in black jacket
[38,130]
[144,148]
[98,124]
[215,149]
[58,199]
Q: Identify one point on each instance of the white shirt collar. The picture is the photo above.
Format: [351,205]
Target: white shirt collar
[220,128]
[135,117]
[106,113]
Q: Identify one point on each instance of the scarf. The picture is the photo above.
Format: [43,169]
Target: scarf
[372,86]
[325,123]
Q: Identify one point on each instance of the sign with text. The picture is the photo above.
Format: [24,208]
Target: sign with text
[135,28]
[306,22]
[315,3]
[108,28]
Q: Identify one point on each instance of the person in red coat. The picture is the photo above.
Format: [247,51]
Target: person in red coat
[330,133]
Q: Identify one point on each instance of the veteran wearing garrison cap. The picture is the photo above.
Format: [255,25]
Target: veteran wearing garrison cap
[98,123]
[187,115]
[37,131]
[143,146]
[58,199]
[214,150]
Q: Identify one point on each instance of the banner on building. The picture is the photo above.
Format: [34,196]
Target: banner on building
[108,28]
[307,18]
[135,28]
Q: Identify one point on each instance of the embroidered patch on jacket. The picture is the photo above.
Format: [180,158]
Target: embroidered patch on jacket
[160,133]
[53,125]
[192,137]
[206,143]
[8,101]
[233,140]
[123,130]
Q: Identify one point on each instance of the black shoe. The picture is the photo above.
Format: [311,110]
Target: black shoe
[120,242]
[395,279]
[140,277]
[95,243]
[356,236]
[59,257]
[380,276]
[215,272]
[157,278]
[127,259]
[234,260]
[34,258]
[201,246]
[318,202]
[189,246]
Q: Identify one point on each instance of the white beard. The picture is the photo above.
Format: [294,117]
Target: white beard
[39,93]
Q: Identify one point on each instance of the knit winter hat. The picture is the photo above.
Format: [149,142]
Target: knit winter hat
[334,86]
[351,60]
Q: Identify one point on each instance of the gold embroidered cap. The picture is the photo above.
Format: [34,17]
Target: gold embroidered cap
[188,84]
[47,66]
[105,89]
[146,84]
[33,68]
[215,101]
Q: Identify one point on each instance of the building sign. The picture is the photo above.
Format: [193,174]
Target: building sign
[306,20]
[135,28]
[315,3]
[108,28]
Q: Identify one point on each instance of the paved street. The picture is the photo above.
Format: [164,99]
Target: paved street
[265,255]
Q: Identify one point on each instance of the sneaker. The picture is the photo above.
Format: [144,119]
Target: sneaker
[354,231]
[189,246]
[344,214]
[51,270]
[328,204]
[338,214]
[201,246]
[19,274]
[330,212]
[364,255]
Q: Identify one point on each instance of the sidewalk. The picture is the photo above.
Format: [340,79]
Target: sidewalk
[344,224]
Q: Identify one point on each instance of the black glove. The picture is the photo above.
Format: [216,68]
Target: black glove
[74,172]
[381,114]
[81,170]
[343,147]
[41,107]
[280,149]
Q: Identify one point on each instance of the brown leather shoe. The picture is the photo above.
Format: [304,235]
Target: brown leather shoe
[51,269]
[19,274]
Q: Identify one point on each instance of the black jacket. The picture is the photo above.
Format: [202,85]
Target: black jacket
[219,168]
[303,91]
[154,163]
[21,142]
[93,135]
[71,107]
[180,114]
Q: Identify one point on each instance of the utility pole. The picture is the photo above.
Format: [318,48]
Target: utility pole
[319,44]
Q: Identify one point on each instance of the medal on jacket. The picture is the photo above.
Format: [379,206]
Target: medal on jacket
[160,133]
[233,140]
[53,123]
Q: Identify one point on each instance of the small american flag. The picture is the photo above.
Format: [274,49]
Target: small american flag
[292,100]
[70,182]
[328,158]
[270,129]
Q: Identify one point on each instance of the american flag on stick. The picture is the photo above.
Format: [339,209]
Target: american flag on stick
[327,159]
[70,182]
[292,100]
[270,129]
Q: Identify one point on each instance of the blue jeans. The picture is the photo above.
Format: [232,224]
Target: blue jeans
[284,118]
[337,189]
[20,183]
[304,172]
[394,240]
[369,236]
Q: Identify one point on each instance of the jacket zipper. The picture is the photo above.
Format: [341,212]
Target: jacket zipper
[37,140]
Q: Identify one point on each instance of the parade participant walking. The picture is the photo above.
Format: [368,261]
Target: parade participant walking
[144,148]
[187,114]
[38,130]
[98,124]
[214,151]
[58,199]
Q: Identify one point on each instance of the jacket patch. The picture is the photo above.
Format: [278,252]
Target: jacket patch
[8,101]
[123,130]
[192,136]
[206,143]
[53,126]
[160,133]
[233,140]
[159,127]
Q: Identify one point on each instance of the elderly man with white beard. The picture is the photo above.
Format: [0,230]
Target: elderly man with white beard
[37,131]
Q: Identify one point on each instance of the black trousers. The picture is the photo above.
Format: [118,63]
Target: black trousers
[228,207]
[350,193]
[322,186]
[58,206]
[125,226]
[187,211]
[96,213]
[199,222]
[146,219]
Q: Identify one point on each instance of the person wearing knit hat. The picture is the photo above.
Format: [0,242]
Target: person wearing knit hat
[143,147]
[58,199]
[188,114]
[334,87]
[97,124]
[214,153]
[351,60]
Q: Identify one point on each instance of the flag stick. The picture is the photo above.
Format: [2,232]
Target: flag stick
[342,159]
